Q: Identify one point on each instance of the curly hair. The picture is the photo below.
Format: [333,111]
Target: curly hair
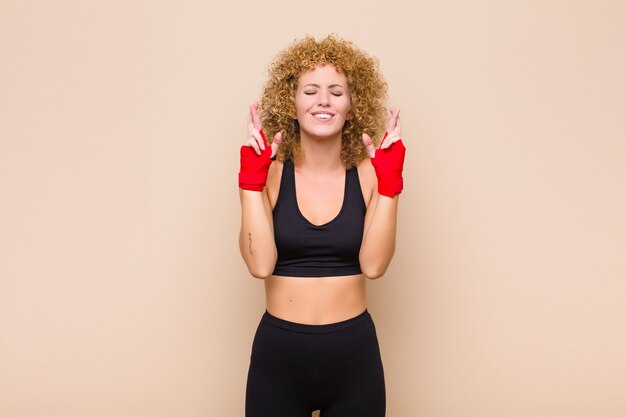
[366,87]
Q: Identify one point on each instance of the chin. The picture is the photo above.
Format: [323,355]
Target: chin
[325,132]
[325,135]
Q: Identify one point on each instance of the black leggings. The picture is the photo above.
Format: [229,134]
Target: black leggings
[298,368]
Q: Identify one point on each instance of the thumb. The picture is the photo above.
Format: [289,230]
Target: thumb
[369,145]
[278,138]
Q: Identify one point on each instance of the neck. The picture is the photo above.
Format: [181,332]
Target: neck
[323,154]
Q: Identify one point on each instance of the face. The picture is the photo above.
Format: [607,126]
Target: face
[322,102]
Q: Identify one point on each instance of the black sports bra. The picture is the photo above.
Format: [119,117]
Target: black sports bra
[308,250]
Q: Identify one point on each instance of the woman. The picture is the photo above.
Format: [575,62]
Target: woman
[317,223]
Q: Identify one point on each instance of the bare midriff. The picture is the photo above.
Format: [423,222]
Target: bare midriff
[321,300]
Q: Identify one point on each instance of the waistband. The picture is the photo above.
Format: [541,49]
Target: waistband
[314,328]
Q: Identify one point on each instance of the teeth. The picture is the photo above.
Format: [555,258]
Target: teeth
[323,115]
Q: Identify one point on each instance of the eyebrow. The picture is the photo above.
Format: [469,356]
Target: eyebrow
[318,86]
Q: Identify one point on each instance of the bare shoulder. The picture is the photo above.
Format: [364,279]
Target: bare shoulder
[273,181]
[367,178]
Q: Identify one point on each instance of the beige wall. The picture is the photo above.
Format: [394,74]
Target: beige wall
[122,293]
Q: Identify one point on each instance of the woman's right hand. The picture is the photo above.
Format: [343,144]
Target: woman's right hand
[256,154]
[256,138]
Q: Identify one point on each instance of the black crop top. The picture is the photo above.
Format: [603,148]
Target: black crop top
[308,250]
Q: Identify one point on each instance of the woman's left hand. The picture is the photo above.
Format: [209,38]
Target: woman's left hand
[388,159]
[393,134]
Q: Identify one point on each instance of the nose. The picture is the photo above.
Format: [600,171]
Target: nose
[324,100]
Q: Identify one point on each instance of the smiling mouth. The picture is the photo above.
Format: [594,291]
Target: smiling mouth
[323,116]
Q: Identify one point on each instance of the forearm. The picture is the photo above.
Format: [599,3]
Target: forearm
[379,241]
[256,237]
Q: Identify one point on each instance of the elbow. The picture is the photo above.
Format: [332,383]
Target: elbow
[260,273]
[374,265]
[373,271]
[261,265]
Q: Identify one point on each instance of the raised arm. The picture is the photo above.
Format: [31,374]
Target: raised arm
[256,236]
[379,237]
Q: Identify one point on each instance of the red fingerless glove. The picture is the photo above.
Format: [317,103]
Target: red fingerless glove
[254,168]
[388,166]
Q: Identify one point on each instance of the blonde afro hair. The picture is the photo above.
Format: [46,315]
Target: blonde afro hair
[366,86]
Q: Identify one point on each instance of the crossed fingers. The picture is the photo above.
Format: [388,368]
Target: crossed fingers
[255,140]
[394,132]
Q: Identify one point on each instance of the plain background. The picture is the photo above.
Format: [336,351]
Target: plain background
[122,292]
